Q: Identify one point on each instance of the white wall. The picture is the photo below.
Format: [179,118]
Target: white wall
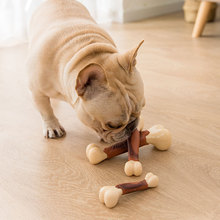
[137,4]
[130,10]
[141,9]
[105,10]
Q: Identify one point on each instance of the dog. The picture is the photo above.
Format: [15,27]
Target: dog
[72,59]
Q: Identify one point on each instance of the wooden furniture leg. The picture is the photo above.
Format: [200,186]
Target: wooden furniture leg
[201,18]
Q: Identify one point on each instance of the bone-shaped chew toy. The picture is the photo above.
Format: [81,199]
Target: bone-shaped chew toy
[156,135]
[109,195]
[133,166]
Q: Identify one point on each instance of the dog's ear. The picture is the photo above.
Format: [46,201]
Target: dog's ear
[128,60]
[90,81]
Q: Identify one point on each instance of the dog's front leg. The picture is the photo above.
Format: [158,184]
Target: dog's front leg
[51,125]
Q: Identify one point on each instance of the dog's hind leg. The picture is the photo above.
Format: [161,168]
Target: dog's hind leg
[51,125]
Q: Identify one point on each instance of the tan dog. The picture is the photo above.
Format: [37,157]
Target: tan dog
[71,58]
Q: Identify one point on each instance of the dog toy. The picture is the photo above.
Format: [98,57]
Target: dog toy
[133,166]
[109,195]
[157,135]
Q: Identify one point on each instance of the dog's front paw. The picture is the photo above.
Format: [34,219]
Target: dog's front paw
[53,129]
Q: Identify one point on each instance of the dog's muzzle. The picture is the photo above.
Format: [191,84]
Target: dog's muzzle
[121,136]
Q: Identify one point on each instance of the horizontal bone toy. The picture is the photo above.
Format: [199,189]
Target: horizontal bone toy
[109,195]
[156,135]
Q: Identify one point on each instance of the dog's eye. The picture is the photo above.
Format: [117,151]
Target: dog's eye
[111,126]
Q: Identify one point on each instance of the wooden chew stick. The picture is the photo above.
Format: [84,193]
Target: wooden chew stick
[116,149]
[96,155]
[143,140]
[133,146]
[110,195]
[157,135]
[132,187]
[133,165]
[122,147]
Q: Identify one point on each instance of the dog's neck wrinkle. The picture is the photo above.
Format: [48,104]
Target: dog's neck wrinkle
[85,37]
[92,49]
[126,94]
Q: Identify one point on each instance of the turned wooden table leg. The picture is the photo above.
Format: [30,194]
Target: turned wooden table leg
[201,18]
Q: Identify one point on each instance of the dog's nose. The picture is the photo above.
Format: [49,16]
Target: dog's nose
[132,125]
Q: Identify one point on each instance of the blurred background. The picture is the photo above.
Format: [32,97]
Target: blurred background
[15,14]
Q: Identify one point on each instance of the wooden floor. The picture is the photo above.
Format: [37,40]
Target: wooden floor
[52,179]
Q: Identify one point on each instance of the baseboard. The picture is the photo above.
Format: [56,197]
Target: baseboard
[143,13]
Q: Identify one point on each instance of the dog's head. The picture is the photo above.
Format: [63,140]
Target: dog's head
[111,96]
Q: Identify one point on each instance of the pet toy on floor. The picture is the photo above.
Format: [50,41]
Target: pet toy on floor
[157,135]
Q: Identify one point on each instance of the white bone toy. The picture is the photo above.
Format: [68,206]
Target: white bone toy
[157,135]
[109,195]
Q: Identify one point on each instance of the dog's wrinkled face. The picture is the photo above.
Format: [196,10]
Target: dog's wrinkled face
[111,100]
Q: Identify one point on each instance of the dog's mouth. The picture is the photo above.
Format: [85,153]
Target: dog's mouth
[114,137]
[132,126]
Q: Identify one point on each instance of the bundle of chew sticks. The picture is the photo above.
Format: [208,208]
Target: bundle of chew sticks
[157,135]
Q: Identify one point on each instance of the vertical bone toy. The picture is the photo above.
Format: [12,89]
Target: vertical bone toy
[109,195]
[133,166]
[156,135]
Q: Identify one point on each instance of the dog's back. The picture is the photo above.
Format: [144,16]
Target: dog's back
[59,24]
[68,17]
[58,30]
[54,12]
